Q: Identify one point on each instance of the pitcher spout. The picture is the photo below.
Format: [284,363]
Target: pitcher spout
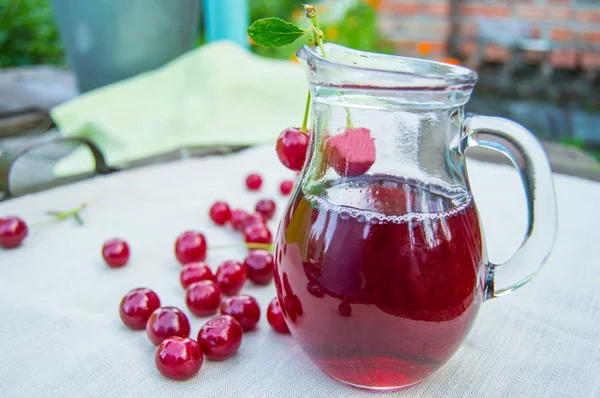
[348,68]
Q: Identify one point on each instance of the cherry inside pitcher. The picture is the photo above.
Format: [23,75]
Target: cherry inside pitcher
[383,296]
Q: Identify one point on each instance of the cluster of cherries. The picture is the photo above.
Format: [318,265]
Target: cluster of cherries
[178,356]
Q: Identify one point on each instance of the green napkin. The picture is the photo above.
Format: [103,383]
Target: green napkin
[217,94]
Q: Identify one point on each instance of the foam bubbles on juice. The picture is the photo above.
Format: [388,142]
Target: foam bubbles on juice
[423,201]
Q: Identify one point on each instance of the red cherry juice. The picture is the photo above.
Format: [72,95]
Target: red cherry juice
[380,279]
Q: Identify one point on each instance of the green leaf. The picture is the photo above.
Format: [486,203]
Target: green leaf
[274,32]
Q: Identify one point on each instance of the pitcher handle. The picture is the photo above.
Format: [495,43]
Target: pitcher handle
[529,158]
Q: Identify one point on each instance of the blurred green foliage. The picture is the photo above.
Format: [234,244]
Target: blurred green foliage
[350,23]
[358,29]
[273,8]
[28,34]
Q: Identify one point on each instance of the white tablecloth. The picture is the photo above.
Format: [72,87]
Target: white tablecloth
[60,333]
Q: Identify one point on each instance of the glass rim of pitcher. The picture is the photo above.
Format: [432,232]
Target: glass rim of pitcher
[406,70]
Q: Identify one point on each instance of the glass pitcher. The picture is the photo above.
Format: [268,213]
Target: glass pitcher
[380,260]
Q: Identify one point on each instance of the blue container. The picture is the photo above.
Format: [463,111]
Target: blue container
[227,19]
[111,40]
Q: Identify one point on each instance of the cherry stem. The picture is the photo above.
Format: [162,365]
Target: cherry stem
[318,36]
[251,246]
[311,14]
[58,216]
[306,109]
[74,213]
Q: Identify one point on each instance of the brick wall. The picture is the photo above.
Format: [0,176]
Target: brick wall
[566,33]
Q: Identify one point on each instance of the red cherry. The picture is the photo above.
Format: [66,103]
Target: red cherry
[286,187]
[230,277]
[252,219]
[12,232]
[258,233]
[220,337]
[351,153]
[136,307]
[259,265]
[115,252]
[253,182]
[291,148]
[266,207]
[275,317]
[166,322]
[244,309]
[195,272]
[220,213]
[237,217]
[178,358]
[203,298]
[190,246]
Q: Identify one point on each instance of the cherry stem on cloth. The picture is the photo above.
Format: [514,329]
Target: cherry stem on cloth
[58,216]
[74,213]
